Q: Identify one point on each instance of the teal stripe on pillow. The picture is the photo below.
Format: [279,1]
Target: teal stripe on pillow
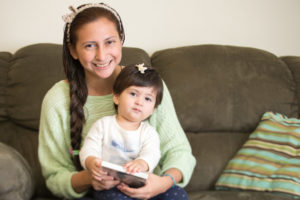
[269,160]
[269,156]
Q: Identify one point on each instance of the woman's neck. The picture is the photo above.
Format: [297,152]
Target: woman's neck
[101,87]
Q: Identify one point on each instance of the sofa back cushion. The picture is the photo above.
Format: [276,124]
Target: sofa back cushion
[293,62]
[33,70]
[4,66]
[219,88]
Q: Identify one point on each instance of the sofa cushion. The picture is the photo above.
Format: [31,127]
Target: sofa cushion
[16,176]
[293,62]
[4,66]
[212,151]
[33,71]
[235,195]
[269,160]
[225,88]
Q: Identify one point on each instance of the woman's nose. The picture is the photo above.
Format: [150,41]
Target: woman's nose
[100,54]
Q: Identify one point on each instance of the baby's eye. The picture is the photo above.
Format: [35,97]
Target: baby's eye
[148,99]
[133,94]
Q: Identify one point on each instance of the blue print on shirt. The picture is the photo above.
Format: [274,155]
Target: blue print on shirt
[120,147]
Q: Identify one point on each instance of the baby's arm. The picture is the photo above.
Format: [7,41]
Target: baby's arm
[138,165]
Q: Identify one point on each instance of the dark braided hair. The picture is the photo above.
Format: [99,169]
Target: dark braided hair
[75,73]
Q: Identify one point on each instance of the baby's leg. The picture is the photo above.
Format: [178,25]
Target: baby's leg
[176,193]
[112,194]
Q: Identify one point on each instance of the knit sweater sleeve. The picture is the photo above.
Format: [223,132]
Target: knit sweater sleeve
[175,149]
[56,163]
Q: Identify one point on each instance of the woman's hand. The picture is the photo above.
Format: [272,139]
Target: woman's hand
[154,186]
[105,183]
[83,180]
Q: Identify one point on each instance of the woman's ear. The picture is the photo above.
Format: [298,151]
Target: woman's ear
[116,99]
[73,52]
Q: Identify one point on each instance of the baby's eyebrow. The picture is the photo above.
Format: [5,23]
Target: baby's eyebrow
[150,94]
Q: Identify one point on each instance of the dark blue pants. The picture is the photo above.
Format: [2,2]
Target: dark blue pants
[175,193]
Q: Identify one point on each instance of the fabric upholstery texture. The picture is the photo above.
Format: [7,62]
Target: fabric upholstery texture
[269,160]
[213,150]
[293,62]
[231,87]
[34,67]
[4,66]
[16,176]
[234,195]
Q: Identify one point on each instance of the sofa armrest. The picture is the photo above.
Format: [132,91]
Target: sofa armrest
[16,176]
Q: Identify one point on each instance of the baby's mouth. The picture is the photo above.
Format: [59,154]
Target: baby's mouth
[136,110]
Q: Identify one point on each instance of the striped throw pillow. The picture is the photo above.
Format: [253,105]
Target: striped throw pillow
[269,160]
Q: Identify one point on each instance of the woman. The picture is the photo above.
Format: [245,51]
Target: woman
[92,52]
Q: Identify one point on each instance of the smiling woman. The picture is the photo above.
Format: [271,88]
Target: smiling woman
[98,49]
[92,51]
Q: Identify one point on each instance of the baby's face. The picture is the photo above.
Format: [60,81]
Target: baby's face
[136,103]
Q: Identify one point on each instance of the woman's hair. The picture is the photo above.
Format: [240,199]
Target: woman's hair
[133,75]
[73,69]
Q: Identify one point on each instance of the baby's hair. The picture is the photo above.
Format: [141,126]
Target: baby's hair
[132,76]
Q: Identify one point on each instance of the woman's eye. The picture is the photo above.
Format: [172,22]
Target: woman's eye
[110,41]
[89,46]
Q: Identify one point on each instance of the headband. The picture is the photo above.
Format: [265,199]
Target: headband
[68,18]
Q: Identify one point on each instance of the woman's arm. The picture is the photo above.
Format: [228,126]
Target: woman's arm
[62,179]
[54,142]
[175,148]
[81,181]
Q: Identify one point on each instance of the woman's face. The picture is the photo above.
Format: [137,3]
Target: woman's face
[98,48]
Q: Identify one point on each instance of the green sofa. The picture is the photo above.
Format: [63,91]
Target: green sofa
[219,92]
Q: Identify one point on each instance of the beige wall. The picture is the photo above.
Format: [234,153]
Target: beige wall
[273,25]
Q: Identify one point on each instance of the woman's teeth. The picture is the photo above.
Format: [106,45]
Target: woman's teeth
[104,65]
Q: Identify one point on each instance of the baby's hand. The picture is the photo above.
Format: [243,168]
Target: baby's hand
[138,165]
[93,164]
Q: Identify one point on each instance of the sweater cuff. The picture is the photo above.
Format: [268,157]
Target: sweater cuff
[72,193]
[185,164]
[62,188]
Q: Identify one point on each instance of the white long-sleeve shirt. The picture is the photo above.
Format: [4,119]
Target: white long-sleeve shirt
[110,142]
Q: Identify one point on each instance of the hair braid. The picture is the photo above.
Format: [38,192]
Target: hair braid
[78,94]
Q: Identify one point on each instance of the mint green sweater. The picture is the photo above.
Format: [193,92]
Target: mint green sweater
[54,137]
